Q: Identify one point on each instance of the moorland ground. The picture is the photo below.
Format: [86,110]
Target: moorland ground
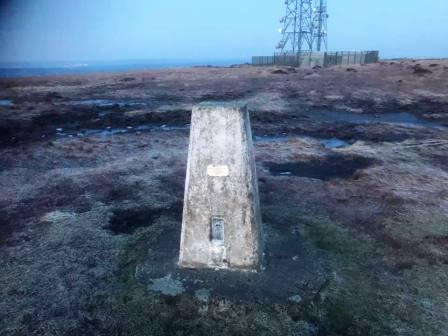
[353,176]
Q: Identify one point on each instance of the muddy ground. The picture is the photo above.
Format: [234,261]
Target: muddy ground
[353,174]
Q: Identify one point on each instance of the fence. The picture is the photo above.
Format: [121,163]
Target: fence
[311,59]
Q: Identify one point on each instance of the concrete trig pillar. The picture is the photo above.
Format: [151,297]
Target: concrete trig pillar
[221,226]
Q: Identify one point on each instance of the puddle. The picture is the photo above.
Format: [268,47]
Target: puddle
[334,143]
[401,118]
[109,103]
[6,102]
[327,168]
[110,131]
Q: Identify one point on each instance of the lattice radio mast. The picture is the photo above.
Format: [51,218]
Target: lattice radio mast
[304,26]
[321,18]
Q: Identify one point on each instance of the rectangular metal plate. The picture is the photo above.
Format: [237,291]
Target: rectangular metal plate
[218,171]
[217,234]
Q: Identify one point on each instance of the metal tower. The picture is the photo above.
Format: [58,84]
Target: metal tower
[320,24]
[304,26]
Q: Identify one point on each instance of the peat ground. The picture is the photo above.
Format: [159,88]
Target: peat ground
[353,177]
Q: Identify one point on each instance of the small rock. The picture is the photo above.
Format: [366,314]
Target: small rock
[311,76]
[202,295]
[334,97]
[295,298]
[167,286]
[280,72]
[419,70]
[55,217]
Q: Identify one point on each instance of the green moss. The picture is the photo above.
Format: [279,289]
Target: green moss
[426,294]
[135,252]
[355,302]
[364,297]
[331,237]
[415,224]
[126,307]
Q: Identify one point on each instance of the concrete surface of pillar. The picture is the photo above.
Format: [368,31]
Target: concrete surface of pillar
[221,226]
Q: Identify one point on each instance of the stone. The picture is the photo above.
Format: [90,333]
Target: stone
[203,295]
[167,286]
[221,226]
[295,298]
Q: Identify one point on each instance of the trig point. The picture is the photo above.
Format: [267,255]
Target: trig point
[221,225]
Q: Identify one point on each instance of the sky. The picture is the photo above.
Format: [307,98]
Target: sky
[113,30]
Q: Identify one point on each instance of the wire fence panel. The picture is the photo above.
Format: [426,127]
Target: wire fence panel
[312,59]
